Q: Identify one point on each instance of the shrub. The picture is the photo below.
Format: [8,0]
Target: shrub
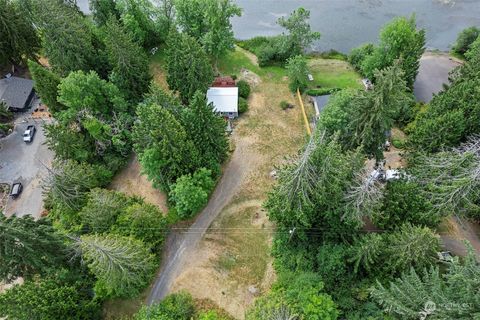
[190,192]
[321,91]
[465,38]
[254,44]
[243,89]
[242,105]
[398,143]
[284,105]
[233,76]
[358,55]
[144,222]
[277,51]
[177,306]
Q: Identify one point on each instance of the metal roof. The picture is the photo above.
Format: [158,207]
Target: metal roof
[15,91]
[223,99]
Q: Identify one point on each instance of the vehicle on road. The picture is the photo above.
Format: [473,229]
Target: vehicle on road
[29,133]
[16,190]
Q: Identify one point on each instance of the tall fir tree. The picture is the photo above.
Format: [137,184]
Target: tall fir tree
[46,86]
[67,38]
[28,247]
[207,129]
[102,10]
[18,37]
[188,67]
[130,66]
[165,150]
[123,266]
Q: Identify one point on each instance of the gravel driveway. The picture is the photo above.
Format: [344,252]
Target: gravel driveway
[432,74]
[22,162]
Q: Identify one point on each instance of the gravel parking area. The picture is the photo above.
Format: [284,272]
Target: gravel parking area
[432,74]
[22,162]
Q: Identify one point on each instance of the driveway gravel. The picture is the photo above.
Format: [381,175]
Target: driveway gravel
[22,162]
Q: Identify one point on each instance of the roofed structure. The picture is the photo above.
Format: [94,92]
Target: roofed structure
[224,100]
[17,93]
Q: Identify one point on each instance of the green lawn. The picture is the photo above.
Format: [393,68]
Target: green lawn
[331,73]
[233,62]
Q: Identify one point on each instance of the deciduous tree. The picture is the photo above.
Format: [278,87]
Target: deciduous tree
[399,39]
[465,38]
[208,21]
[49,298]
[299,31]
[297,71]
[190,192]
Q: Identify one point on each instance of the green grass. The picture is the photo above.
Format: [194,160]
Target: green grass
[233,62]
[247,252]
[332,73]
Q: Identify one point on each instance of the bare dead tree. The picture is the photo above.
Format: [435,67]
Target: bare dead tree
[300,179]
[364,195]
[65,185]
[451,179]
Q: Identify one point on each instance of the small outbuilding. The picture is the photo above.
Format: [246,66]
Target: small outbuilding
[224,100]
[17,93]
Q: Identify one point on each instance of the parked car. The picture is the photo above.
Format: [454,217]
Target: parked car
[29,133]
[16,190]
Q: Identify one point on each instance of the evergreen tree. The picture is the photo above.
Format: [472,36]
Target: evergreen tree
[188,66]
[18,37]
[123,266]
[102,10]
[375,110]
[130,65]
[28,247]
[46,86]
[165,150]
[66,37]
[207,130]
[451,296]
[102,209]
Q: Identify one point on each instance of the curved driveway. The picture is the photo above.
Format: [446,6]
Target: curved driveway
[179,244]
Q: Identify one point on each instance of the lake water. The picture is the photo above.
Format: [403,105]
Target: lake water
[345,24]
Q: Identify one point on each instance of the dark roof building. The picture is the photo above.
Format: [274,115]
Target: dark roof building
[17,93]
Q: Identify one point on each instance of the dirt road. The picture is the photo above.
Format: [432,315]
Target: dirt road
[179,244]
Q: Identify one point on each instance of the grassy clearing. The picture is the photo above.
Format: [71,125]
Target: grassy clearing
[246,253]
[234,61]
[332,73]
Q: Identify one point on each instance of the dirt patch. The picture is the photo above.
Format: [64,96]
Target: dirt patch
[4,286]
[253,58]
[133,183]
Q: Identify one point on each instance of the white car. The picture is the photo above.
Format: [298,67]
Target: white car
[29,133]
